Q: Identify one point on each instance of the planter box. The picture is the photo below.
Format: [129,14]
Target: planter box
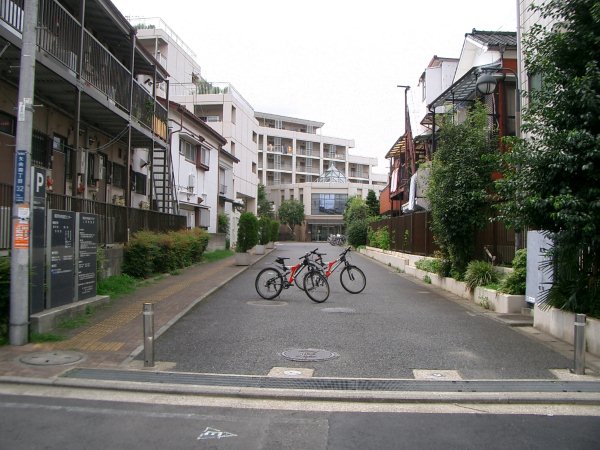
[259,249]
[242,259]
[560,324]
[501,303]
[271,245]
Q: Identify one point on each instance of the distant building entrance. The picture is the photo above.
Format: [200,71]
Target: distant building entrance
[322,232]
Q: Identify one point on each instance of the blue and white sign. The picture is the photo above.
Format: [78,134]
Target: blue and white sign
[20,175]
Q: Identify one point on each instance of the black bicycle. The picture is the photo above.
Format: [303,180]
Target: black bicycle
[271,281]
[352,278]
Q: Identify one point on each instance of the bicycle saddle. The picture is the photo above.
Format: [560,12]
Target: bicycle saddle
[280,260]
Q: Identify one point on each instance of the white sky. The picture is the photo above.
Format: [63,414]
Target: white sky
[334,61]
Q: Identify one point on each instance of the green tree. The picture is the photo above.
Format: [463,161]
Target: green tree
[265,208]
[373,203]
[356,221]
[291,213]
[552,179]
[460,184]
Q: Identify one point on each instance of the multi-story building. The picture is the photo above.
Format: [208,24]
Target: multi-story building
[97,131]
[99,138]
[222,109]
[296,162]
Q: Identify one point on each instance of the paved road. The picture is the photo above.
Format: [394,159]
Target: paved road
[61,423]
[395,326]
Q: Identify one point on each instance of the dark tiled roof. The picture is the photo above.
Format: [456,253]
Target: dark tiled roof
[495,38]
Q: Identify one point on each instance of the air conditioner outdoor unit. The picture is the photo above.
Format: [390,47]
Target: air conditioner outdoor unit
[191,181]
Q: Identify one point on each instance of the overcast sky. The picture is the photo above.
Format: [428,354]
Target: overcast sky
[333,61]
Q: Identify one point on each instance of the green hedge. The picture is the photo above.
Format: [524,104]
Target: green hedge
[148,252]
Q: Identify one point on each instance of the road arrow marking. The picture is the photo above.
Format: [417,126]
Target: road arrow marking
[213,433]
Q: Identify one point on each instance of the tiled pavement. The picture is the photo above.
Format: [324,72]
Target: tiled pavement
[114,335]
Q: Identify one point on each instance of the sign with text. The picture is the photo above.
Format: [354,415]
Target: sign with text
[87,242]
[20,175]
[61,258]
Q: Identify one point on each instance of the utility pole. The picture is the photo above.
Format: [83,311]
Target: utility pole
[19,267]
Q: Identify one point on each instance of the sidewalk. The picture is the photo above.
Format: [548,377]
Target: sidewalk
[114,335]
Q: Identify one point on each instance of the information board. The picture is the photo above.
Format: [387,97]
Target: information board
[87,241]
[61,258]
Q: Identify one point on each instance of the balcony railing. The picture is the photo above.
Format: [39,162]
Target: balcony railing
[222,189]
[58,35]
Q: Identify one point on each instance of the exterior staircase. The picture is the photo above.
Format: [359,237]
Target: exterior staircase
[164,195]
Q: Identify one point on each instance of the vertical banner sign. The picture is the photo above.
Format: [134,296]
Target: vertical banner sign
[20,165]
[38,233]
[61,258]
[87,240]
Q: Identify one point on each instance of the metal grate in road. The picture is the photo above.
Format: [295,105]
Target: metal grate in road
[339,384]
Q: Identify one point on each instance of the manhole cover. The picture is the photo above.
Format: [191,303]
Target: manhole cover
[51,358]
[339,310]
[308,354]
[266,303]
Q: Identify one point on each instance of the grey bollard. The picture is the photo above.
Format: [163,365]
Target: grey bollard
[579,344]
[148,335]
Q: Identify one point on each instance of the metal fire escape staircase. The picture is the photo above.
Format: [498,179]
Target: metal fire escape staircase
[164,181]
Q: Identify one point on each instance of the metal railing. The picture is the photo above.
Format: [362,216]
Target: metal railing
[59,35]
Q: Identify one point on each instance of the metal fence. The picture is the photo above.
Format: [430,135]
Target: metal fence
[112,218]
[411,233]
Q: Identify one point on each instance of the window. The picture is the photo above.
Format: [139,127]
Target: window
[233,114]
[7,124]
[279,124]
[328,203]
[203,157]
[188,150]
[118,175]
[40,149]
[254,136]
[253,167]
[139,183]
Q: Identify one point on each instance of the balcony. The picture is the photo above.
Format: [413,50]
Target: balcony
[66,63]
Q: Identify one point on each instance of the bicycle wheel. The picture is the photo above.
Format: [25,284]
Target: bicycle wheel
[353,279]
[299,277]
[316,286]
[269,283]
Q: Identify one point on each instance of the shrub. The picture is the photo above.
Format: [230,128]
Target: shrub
[379,238]
[139,255]
[264,230]
[515,283]
[274,230]
[223,223]
[357,232]
[480,273]
[247,232]
[147,253]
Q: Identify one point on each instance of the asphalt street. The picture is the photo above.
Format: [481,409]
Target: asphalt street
[395,328]
[62,423]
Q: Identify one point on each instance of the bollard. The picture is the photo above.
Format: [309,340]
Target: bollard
[148,335]
[579,344]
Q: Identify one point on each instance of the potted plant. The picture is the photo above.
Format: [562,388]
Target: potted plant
[247,238]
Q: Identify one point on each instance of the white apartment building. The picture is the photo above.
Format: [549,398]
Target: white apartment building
[225,111]
[296,162]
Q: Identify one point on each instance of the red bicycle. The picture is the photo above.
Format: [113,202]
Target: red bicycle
[352,278]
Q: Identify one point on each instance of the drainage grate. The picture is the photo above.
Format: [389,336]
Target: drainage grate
[51,358]
[342,384]
[308,354]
